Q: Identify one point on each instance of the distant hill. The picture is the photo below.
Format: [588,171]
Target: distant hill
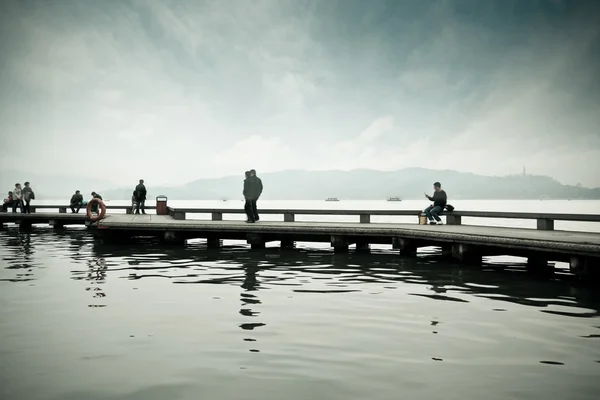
[365,184]
[52,186]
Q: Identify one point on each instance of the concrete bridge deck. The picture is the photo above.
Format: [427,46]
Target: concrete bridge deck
[464,242]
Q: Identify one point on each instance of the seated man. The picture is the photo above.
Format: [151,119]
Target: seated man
[439,199]
[76,201]
[7,202]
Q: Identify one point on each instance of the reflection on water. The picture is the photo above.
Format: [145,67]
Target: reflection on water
[82,319]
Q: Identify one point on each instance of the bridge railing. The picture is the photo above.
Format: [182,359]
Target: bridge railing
[545,221]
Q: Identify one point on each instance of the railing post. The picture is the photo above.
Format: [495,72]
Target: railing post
[32,209]
[62,210]
[288,217]
[453,219]
[217,216]
[178,215]
[545,224]
[129,210]
[365,218]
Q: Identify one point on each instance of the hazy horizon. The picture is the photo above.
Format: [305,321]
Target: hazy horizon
[174,91]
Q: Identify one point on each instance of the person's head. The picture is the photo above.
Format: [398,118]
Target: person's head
[93,193]
[77,192]
[247,174]
[10,193]
[18,185]
[252,172]
[27,184]
[437,186]
[141,181]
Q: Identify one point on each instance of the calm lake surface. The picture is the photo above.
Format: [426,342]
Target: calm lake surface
[80,319]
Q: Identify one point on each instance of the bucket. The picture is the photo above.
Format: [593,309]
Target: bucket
[422,219]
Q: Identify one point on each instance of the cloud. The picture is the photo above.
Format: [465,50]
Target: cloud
[177,90]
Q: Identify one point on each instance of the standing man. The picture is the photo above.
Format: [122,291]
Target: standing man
[248,203]
[439,199]
[253,188]
[28,195]
[17,198]
[76,201]
[140,196]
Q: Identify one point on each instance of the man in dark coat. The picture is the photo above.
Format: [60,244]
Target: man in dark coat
[253,188]
[94,207]
[439,199]
[76,201]
[140,197]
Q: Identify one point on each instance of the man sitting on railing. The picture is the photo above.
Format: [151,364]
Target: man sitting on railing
[7,202]
[439,199]
[76,201]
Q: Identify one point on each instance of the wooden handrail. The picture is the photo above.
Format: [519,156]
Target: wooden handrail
[476,214]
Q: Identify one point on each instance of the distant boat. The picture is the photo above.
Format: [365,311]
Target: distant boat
[332,199]
[394,199]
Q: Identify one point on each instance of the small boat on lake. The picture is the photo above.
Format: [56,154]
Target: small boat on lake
[332,199]
[394,199]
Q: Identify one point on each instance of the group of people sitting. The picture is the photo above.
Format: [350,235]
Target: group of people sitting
[77,201]
[138,200]
[19,197]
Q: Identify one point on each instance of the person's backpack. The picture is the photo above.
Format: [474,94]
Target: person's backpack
[449,207]
[32,196]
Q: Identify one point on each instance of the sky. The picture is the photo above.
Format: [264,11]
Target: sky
[172,91]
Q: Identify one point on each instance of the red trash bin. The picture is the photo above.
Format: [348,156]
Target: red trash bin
[161,205]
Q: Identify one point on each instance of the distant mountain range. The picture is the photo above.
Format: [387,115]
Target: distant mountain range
[359,184]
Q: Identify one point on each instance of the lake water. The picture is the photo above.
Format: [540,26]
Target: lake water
[84,320]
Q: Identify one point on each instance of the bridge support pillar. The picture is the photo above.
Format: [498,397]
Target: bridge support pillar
[407,247]
[585,267]
[214,243]
[24,225]
[56,224]
[339,244]
[288,244]
[255,240]
[171,237]
[539,265]
[447,250]
[467,253]
[363,246]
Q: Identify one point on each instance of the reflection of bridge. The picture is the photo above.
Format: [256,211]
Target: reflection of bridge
[464,242]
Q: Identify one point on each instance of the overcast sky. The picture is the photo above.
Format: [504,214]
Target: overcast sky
[176,90]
